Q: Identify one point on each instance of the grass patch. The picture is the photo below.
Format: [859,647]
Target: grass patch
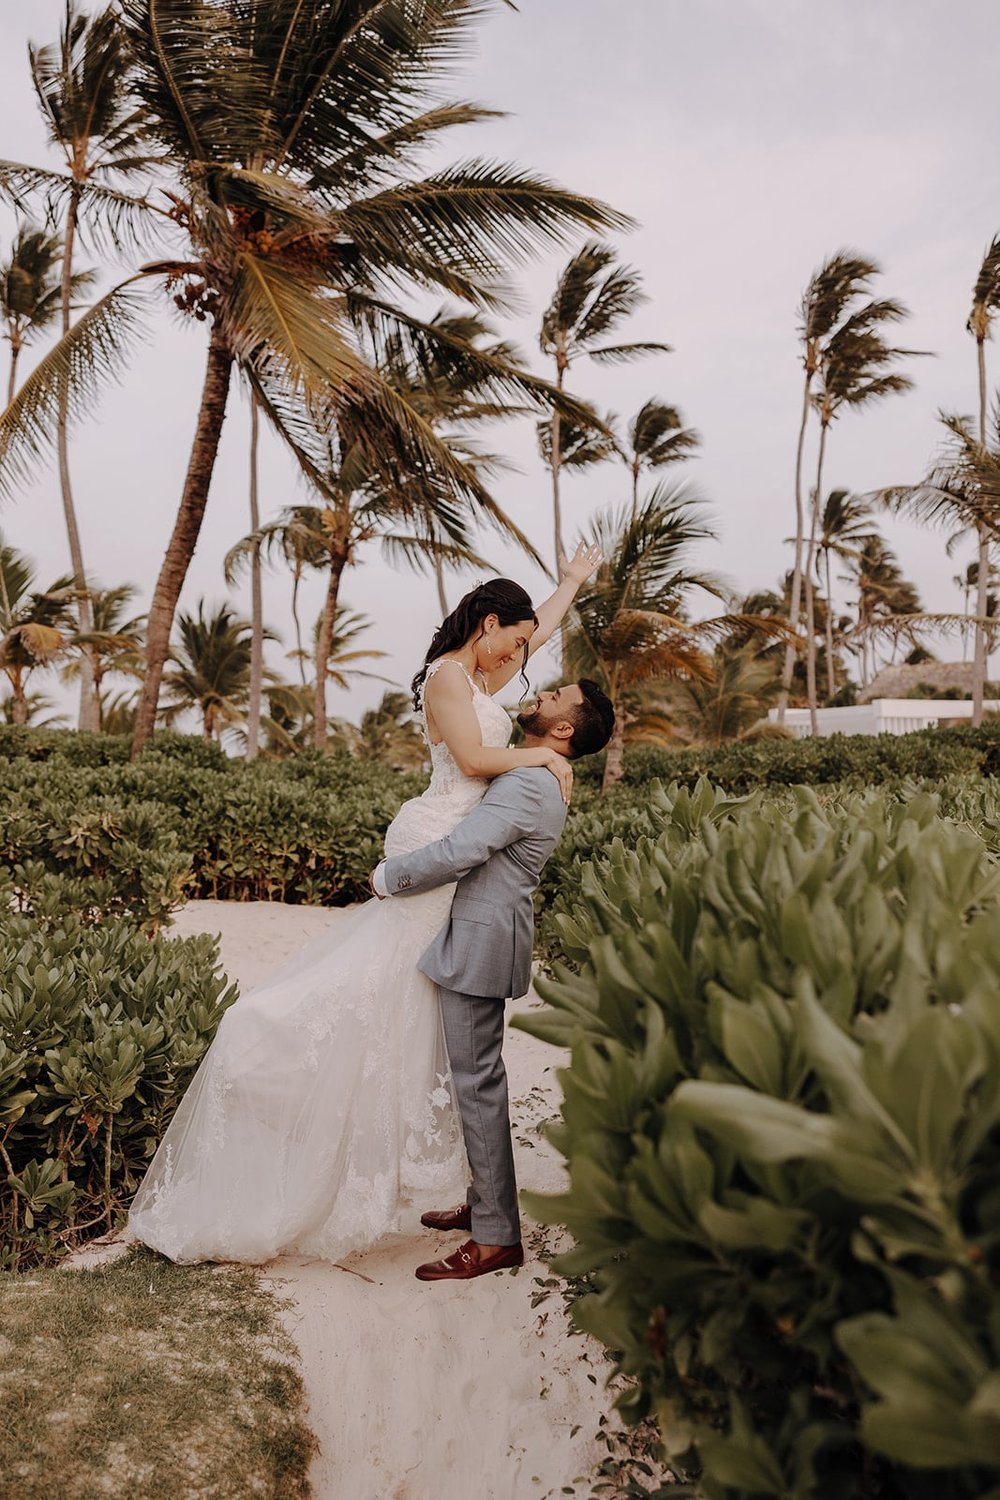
[142,1378]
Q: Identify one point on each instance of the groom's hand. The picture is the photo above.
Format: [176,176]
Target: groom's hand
[379,895]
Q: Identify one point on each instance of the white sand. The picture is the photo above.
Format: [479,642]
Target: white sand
[456,1391]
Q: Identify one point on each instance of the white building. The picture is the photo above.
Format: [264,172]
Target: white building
[883,716]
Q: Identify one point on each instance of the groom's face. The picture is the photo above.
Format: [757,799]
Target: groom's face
[555,707]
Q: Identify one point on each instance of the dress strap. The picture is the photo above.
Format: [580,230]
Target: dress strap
[443,661]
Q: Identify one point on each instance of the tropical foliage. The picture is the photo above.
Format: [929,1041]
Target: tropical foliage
[260,174]
[781,1136]
[286,137]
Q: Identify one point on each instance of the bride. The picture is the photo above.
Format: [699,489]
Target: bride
[324,1104]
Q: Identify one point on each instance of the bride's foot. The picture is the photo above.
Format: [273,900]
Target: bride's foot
[448,1218]
[471,1260]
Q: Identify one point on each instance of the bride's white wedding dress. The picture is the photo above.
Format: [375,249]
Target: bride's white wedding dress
[325,1104]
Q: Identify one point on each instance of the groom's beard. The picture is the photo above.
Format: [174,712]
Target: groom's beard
[534,722]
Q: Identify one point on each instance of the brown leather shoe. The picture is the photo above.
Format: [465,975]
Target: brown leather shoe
[467,1262]
[448,1218]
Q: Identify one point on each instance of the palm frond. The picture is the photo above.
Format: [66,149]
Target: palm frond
[623,354]
[420,552]
[986,292]
[436,349]
[476,218]
[111,217]
[579,447]
[85,360]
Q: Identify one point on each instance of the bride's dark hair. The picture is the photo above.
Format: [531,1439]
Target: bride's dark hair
[501,597]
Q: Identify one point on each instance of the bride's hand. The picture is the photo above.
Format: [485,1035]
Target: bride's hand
[563,772]
[585,561]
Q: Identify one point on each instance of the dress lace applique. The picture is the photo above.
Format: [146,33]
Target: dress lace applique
[325,1102]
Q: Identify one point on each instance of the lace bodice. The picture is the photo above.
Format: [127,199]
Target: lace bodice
[494,721]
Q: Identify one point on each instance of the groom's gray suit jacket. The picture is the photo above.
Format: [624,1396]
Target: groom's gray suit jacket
[496,854]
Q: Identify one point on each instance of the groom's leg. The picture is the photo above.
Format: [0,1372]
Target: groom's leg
[474,1029]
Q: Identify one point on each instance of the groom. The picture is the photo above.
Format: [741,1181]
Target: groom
[483,956]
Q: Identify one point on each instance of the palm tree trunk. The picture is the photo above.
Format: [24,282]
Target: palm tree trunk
[256,605]
[19,700]
[89,716]
[965,626]
[15,351]
[795,604]
[635,490]
[830,683]
[323,644]
[614,765]
[808,576]
[184,537]
[980,657]
[557,503]
[982,588]
[299,648]
[442,596]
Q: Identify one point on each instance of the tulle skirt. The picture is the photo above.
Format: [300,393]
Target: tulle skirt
[324,1106]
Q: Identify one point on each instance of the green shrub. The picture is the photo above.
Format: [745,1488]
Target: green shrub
[859,759]
[782,1127]
[98,857]
[101,1030]
[83,829]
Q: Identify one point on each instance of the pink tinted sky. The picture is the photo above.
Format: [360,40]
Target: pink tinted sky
[750,138]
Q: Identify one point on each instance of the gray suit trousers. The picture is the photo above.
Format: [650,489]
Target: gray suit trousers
[473,1029]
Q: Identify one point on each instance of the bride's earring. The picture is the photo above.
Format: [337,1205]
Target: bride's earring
[489,648]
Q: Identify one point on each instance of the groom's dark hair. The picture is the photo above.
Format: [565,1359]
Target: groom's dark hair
[593,721]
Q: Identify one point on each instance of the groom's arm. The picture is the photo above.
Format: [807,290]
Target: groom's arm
[509,811]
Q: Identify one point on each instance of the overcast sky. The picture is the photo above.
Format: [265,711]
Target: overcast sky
[750,139]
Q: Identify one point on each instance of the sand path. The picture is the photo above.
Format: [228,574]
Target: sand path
[461,1391]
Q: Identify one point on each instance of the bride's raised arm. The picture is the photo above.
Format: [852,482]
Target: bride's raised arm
[448,701]
[573,572]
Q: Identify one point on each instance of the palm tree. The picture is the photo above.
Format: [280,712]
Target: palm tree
[289,722]
[628,621]
[413,519]
[985,302]
[32,625]
[118,713]
[29,710]
[30,291]
[256,597]
[582,445]
[344,654]
[292,133]
[728,704]
[852,374]
[389,734]
[656,436]
[844,526]
[81,86]
[887,602]
[838,282]
[301,538]
[113,646]
[968,582]
[593,296]
[210,670]
[961,491]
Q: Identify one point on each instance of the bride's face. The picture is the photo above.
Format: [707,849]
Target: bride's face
[501,645]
